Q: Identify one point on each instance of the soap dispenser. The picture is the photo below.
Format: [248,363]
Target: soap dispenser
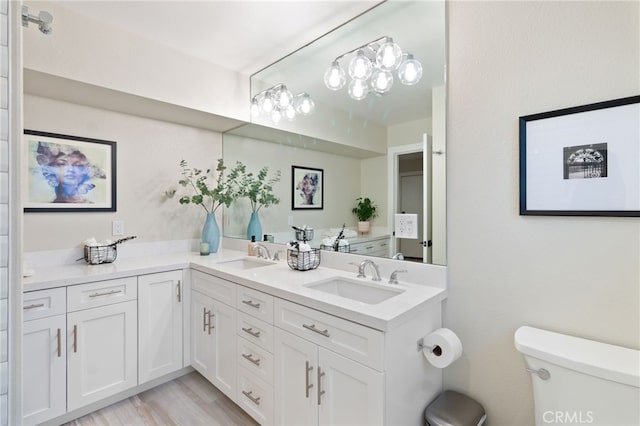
[250,251]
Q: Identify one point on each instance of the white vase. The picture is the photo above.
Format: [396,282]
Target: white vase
[364,226]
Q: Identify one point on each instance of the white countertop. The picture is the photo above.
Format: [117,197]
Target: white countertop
[278,280]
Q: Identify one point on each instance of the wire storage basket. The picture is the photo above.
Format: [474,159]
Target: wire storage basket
[304,234]
[303,260]
[95,255]
[345,248]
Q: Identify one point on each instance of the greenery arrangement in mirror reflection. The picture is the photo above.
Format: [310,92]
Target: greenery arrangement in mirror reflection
[365,209]
[209,197]
[257,188]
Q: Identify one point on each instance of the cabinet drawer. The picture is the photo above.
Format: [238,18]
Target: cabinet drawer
[221,290]
[255,303]
[255,397]
[101,293]
[255,359]
[44,303]
[355,341]
[255,331]
[370,247]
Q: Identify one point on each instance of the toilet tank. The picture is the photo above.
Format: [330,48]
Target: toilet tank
[589,383]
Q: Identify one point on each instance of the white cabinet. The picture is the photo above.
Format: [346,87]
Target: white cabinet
[314,385]
[159,324]
[101,341]
[213,341]
[45,359]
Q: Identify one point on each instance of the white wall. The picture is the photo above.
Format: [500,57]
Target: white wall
[575,275]
[148,153]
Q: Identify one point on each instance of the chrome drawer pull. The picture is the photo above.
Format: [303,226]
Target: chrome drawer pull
[75,338]
[204,319]
[179,292]
[308,386]
[108,293]
[250,303]
[248,395]
[369,247]
[59,339]
[320,391]
[312,327]
[210,324]
[38,305]
[250,331]
[251,359]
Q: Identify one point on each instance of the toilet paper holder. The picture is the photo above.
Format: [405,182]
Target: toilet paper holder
[435,348]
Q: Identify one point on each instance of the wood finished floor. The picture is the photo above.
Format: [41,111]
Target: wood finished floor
[188,400]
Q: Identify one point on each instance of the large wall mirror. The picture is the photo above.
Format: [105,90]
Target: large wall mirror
[389,148]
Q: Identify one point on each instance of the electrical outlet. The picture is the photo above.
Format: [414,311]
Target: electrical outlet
[289,220]
[117,228]
[406,226]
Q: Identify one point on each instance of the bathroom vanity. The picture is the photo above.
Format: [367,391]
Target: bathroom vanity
[288,347]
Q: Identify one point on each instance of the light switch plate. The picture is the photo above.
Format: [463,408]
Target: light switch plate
[117,228]
[406,226]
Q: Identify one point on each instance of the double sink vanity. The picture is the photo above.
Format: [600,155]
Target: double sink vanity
[317,347]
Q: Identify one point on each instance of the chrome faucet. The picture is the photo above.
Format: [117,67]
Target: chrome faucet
[376,270]
[398,256]
[393,279]
[263,252]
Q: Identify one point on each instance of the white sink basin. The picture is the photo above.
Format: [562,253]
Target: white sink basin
[246,263]
[355,289]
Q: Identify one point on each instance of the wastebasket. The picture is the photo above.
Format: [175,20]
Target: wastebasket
[454,409]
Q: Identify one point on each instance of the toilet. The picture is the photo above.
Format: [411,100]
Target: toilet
[580,382]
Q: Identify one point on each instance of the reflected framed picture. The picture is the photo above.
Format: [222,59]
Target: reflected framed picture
[582,161]
[307,190]
[66,173]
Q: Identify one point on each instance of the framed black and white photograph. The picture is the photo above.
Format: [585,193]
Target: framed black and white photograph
[582,161]
[307,190]
[68,173]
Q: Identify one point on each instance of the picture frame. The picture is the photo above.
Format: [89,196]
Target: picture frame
[582,161]
[65,173]
[307,188]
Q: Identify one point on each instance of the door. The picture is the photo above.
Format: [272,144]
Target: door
[159,325]
[296,360]
[101,352]
[410,199]
[202,343]
[351,394]
[44,366]
[224,343]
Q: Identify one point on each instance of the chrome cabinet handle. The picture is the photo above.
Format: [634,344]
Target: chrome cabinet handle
[312,327]
[308,369]
[369,247]
[204,319]
[179,292]
[253,399]
[210,324]
[320,391]
[250,303]
[33,306]
[250,331]
[59,339]
[251,359]
[75,338]
[108,293]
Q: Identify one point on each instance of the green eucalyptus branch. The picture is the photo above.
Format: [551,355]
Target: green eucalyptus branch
[209,198]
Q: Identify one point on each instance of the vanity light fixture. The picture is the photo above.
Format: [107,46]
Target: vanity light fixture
[371,69]
[279,102]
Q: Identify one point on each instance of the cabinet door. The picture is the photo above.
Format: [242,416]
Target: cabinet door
[44,365]
[224,343]
[159,324]
[101,352]
[202,339]
[351,394]
[295,386]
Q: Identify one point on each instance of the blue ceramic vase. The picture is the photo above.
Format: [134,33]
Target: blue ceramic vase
[211,233]
[254,228]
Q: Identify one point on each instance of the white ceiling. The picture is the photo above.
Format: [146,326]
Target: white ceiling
[243,36]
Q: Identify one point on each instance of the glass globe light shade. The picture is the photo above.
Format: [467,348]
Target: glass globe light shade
[304,104]
[360,66]
[266,103]
[381,81]
[358,89]
[389,55]
[276,115]
[410,71]
[334,77]
[283,97]
[255,108]
[290,113]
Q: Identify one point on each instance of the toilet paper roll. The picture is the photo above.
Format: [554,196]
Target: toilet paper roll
[442,347]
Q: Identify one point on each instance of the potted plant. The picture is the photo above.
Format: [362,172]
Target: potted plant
[209,196]
[365,210]
[259,190]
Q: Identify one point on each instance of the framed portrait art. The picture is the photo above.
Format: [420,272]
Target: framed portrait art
[68,173]
[582,161]
[307,190]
